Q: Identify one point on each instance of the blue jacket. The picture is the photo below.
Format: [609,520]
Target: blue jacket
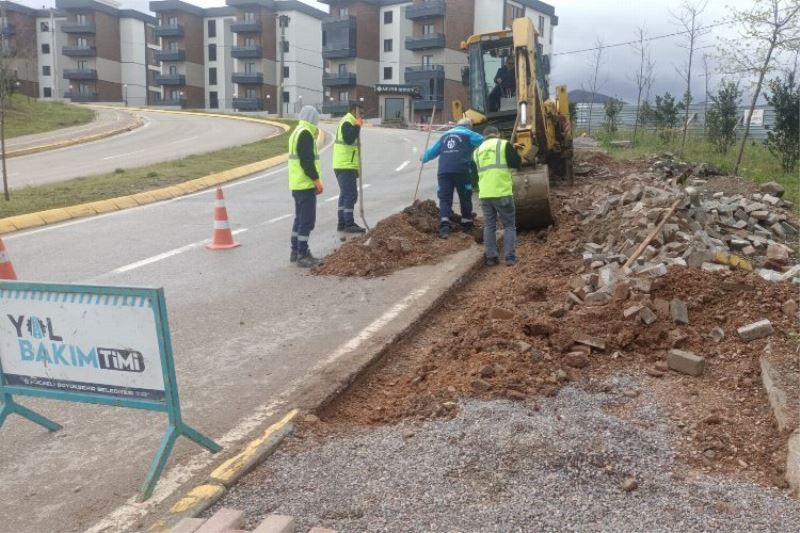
[454,150]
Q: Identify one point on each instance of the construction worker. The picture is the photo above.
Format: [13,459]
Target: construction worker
[305,181]
[495,158]
[454,150]
[346,167]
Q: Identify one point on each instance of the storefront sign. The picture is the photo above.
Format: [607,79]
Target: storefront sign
[407,90]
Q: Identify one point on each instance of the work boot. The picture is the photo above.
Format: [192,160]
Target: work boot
[340,227]
[307,261]
[511,260]
[468,228]
[492,261]
[293,256]
[444,232]
[354,228]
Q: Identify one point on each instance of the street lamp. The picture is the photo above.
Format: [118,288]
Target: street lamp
[70,90]
[180,98]
[125,87]
[269,97]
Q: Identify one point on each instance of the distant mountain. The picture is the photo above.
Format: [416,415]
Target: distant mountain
[579,96]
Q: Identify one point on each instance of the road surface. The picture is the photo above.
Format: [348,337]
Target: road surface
[164,137]
[247,327]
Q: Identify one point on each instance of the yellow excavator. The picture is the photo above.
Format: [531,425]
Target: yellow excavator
[522,112]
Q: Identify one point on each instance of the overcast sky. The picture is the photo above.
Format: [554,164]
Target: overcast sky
[614,21]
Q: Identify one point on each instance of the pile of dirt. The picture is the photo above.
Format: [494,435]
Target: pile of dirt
[516,333]
[407,239]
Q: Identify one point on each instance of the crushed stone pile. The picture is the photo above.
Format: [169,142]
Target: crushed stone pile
[403,240]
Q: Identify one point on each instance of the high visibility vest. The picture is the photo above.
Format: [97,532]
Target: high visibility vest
[494,176]
[298,179]
[345,156]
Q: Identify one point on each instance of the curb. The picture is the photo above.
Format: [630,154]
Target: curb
[98,207]
[227,474]
[72,142]
[242,118]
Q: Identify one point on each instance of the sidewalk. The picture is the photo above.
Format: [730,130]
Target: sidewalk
[106,120]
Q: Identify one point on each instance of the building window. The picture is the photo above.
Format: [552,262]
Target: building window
[212,76]
[250,68]
[387,45]
[342,68]
[427,60]
[285,72]
[213,100]
[82,64]
[47,92]
[173,46]
[250,93]
[212,52]
[173,70]
[250,42]
[285,47]
[343,12]
[387,73]
[45,48]
[541,26]
[212,28]
[428,29]
[387,17]
[512,12]
[344,96]
[46,70]
[44,27]
[286,98]
[172,21]
[324,37]
[250,16]
[81,18]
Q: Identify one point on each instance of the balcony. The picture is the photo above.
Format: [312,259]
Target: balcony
[338,79]
[248,104]
[336,108]
[246,52]
[79,51]
[172,102]
[78,27]
[425,42]
[424,73]
[169,30]
[427,104]
[80,74]
[81,97]
[247,77]
[246,26]
[170,55]
[426,9]
[7,30]
[170,79]
[8,51]
[340,37]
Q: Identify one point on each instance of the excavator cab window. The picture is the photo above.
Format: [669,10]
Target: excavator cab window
[492,76]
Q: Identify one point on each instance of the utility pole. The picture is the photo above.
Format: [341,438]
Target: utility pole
[283,21]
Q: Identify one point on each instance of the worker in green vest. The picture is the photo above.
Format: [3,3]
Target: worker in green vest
[495,158]
[346,166]
[305,181]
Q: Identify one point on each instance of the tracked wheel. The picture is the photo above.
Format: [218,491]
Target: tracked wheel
[532,198]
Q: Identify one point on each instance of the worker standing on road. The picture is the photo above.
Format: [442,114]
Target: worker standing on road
[495,158]
[454,150]
[305,181]
[346,167]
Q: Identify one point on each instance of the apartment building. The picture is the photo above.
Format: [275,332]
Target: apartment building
[219,43]
[182,55]
[404,57]
[18,45]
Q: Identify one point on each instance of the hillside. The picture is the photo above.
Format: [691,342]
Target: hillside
[28,115]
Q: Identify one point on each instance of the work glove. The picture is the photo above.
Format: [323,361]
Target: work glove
[359,122]
[318,186]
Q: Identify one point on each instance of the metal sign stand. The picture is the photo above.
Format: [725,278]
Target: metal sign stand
[170,404]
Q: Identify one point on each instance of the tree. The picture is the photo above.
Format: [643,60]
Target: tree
[766,28]
[723,116]
[665,115]
[783,139]
[643,77]
[613,107]
[645,115]
[688,20]
[8,83]
[706,95]
[596,82]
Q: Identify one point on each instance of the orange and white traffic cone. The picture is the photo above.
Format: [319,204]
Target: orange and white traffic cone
[222,238]
[6,268]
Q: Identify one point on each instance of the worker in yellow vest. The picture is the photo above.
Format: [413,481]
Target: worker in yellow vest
[346,166]
[495,158]
[305,181]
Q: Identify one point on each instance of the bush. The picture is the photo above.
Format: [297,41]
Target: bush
[722,116]
[613,108]
[783,139]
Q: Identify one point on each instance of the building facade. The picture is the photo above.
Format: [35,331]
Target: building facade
[401,47]
[18,45]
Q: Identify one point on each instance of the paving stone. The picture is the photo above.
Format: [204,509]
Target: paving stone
[597,299]
[642,284]
[760,215]
[593,248]
[770,275]
[276,523]
[222,520]
[713,267]
[655,271]
[789,229]
[748,250]
[647,316]
[739,244]
[756,330]
[778,253]
[716,334]
[678,311]
[592,342]
[685,362]
[771,200]
[661,307]
[187,525]
[632,310]
[778,230]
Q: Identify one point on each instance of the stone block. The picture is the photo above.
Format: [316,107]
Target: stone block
[748,250]
[685,362]
[770,275]
[760,215]
[597,299]
[593,248]
[576,360]
[276,523]
[778,253]
[713,267]
[772,188]
[771,200]
[789,229]
[642,284]
[592,342]
[655,271]
[499,313]
[622,291]
[222,520]
[739,244]
[678,311]
[716,334]
[778,230]
[756,330]
[631,311]
[661,307]
[647,316]
[187,525]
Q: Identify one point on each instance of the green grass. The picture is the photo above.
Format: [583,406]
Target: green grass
[758,164]
[122,182]
[25,116]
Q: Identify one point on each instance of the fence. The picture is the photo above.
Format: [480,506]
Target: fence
[763,118]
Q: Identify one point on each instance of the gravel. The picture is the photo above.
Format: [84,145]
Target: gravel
[559,465]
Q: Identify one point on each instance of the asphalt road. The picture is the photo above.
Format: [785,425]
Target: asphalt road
[247,327]
[164,137]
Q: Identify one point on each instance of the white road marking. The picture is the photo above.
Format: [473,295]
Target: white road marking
[124,516]
[165,255]
[125,154]
[367,185]
[186,139]
[402,166]
[276,219]
[332,198]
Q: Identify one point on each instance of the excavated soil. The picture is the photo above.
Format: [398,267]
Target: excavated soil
[407,239]
[508,332]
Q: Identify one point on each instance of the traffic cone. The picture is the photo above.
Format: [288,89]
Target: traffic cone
[222,238]
[6,268]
